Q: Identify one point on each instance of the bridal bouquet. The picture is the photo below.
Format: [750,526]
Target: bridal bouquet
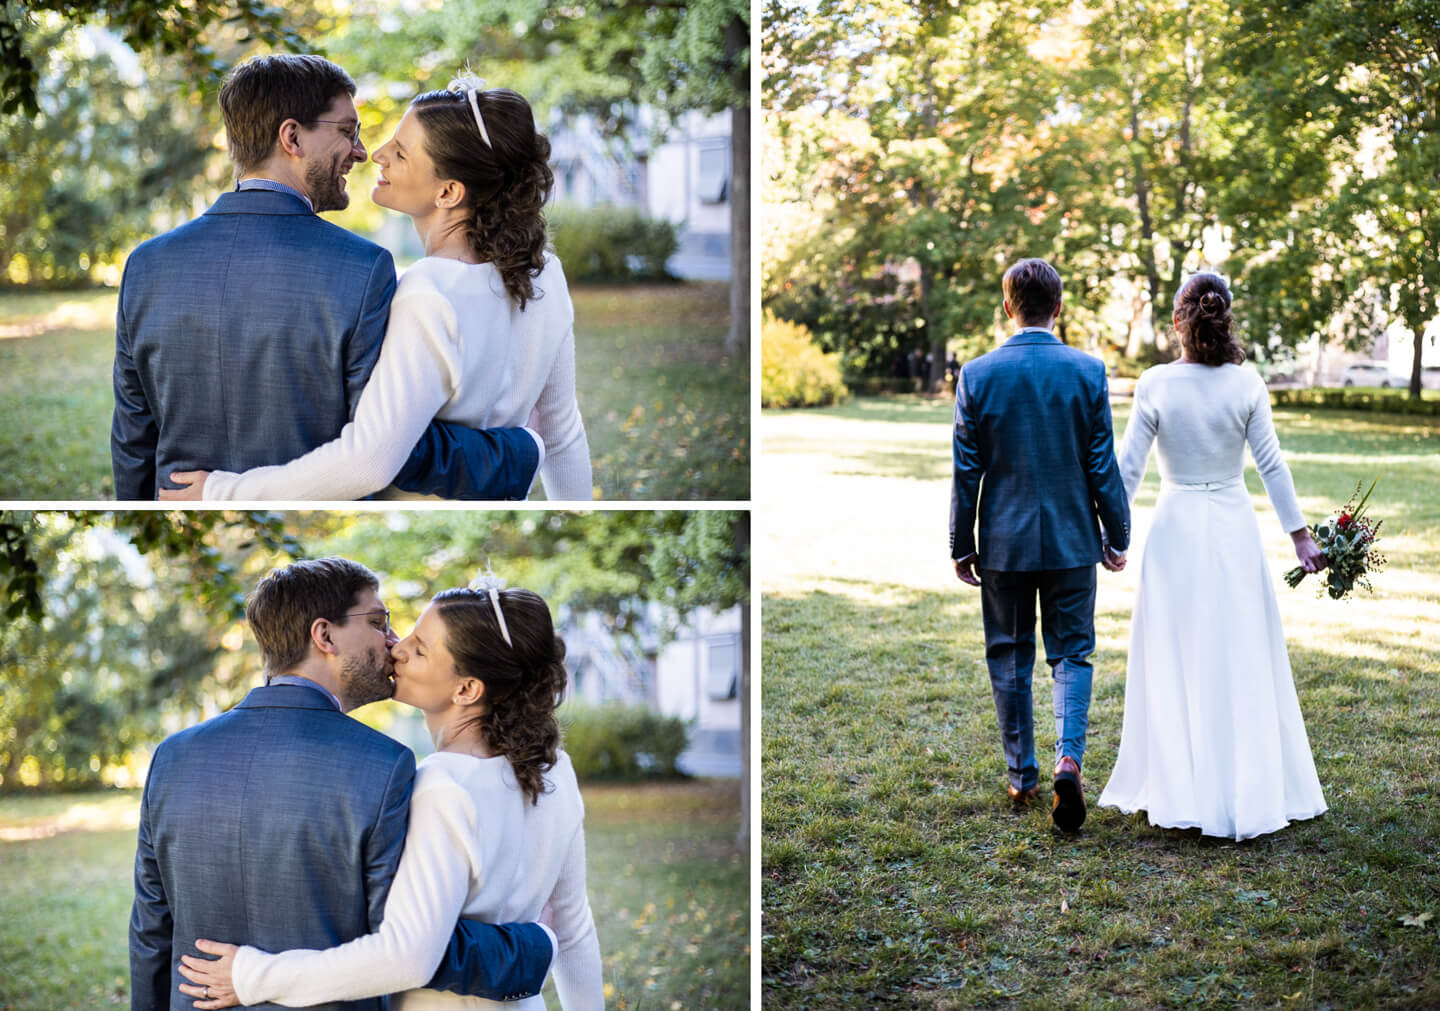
[1348,542]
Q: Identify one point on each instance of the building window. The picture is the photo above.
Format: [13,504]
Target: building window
[714,184]
[722,667]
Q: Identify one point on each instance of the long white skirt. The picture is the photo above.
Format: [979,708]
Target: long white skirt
[1212,736]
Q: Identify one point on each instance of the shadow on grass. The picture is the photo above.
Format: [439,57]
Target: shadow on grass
[896,872]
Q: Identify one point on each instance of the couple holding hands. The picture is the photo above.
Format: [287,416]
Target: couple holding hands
[1212,736]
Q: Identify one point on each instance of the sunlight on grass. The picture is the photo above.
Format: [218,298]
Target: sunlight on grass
[669,890]
[667,411]
[894,871]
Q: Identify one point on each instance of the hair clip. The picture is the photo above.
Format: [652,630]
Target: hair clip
[489,583]
[471,86]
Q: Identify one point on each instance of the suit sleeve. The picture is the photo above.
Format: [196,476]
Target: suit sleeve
[1102,471]
[151,924]
[133,431]
[967,471]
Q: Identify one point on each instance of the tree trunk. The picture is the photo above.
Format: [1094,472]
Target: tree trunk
[742,549]
[1147,233]
[737,37]
[1415,363]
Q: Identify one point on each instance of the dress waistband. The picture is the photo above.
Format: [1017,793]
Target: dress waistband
[1229,482]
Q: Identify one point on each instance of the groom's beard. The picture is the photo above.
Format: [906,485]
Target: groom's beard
[326,192]
[365,679]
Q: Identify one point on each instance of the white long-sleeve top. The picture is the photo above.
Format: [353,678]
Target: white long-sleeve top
[475,847]
[1202,417]
[457,349]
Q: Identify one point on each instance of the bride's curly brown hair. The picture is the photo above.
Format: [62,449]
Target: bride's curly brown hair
[507,181]
[1204,322]
[523,679]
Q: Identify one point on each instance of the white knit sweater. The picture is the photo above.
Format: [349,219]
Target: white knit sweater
[456,349]
[476,847]
[1203,416]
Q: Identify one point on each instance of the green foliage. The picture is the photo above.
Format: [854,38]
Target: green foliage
[793,371]
[1291,145]
[174,28]
[610,244]
[96,658]
[621,742]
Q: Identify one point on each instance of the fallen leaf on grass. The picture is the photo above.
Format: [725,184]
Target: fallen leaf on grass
[1064,907]
[1416,919]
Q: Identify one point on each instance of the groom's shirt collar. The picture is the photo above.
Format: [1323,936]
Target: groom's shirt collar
[274,187]
[1035,329]
[303,682]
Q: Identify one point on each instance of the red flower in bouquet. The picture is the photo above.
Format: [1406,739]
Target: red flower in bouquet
[1348,543]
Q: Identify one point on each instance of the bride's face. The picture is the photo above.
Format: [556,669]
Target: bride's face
[407,175]
[424,670]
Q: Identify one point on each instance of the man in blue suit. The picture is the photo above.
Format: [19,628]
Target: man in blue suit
[244,337]
[1034,447]
[281,822]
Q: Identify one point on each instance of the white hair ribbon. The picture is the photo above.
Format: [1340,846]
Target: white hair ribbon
[492,585]
[472,86]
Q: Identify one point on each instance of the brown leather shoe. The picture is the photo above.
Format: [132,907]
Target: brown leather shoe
[1023,798]
[1069,810]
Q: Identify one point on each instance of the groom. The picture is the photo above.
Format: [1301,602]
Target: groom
[1032,427]
[244,337]
[281,822]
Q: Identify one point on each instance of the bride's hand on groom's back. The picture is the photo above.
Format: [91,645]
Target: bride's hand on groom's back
[211,979]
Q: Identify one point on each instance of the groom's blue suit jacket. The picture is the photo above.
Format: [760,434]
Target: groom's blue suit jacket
[244,337]
[1034,447]
[280,824]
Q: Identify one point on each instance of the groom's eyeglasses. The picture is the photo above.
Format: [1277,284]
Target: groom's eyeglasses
[353,127]
[383,612]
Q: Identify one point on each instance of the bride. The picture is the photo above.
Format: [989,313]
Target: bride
[481,330]
[495,824]
[1212,735]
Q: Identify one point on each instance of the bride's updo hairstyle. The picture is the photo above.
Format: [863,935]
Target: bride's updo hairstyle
[1202,316]
[507,181]
[523,678]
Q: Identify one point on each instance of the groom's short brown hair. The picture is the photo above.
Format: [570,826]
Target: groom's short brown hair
[263,92]
[1032,287]
[287,601]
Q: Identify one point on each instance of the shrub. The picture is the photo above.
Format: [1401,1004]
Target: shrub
[794,372]
[615,741]
[611,244]
[1380,401]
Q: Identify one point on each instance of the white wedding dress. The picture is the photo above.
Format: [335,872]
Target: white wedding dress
[1212,735]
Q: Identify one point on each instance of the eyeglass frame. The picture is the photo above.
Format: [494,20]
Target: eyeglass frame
[384,610]
[354,137]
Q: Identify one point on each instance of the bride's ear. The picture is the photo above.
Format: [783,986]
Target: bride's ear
[452,194]
[469,692]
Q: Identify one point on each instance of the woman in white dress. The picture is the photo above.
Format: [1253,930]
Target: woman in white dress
[481,330]
[1212,736]
[495,825]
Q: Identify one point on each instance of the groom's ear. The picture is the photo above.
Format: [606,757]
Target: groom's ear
[320,636]
[288,138]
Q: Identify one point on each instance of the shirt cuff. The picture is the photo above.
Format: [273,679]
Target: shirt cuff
[554,946]
[971,557]
[540,445]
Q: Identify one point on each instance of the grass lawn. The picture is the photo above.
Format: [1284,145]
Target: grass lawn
[895,872]
[666,411]
[669,891]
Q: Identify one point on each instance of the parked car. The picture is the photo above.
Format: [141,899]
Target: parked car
[1367,374]
[1430,377]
